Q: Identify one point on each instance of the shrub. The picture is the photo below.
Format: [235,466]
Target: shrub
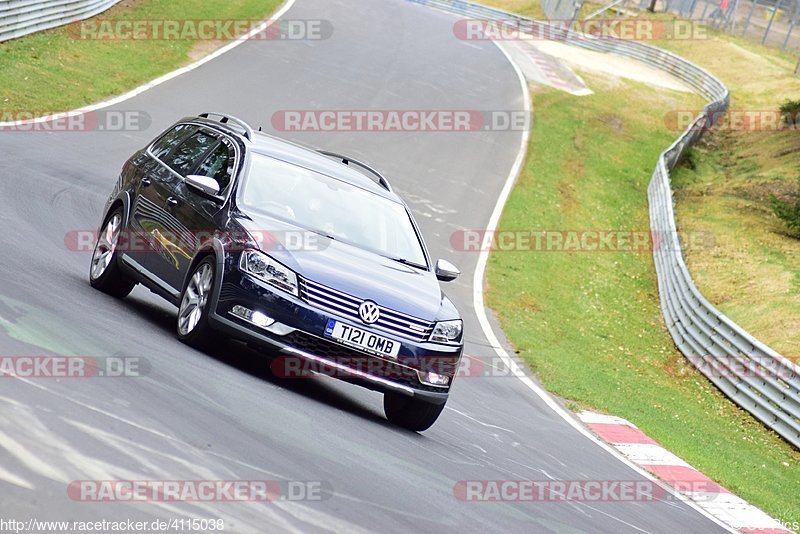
[790,112]
[788,210]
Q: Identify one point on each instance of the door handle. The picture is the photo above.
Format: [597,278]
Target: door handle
[172,202]
[146,182]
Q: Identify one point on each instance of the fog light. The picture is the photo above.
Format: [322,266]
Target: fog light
[257,318]
[261,320]
[434,379]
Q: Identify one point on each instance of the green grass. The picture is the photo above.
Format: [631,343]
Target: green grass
[54,71]
[753,272]
[529,8]
[589,324]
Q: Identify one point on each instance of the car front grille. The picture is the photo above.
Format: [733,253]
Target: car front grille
[345,305]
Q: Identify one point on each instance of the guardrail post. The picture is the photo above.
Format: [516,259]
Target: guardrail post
[791,25]
[557,10]
[733,15]
[749,16]
[775,10]
[705,10]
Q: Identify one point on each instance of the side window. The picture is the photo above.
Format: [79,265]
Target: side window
[219,165]
[189,153]
[171,140]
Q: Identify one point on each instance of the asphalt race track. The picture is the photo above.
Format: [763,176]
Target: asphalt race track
[194,416]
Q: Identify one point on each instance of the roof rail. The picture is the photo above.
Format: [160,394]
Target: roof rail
[348,160]
[225,119]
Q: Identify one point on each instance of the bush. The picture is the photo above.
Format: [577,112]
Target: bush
[788,210]
[790,112]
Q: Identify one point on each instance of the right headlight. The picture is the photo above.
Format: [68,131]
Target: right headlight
[447,331]
[265,268]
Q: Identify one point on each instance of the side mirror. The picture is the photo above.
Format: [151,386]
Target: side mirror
[204,184]
[446,271]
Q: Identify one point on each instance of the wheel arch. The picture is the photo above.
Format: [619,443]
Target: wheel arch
[213,248]
[122,201]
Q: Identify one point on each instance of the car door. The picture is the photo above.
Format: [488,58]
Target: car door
[156,184]
[200,212]
[187,214]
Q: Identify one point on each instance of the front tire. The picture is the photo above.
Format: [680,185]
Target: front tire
[193,326]
[105,274]
[409,412]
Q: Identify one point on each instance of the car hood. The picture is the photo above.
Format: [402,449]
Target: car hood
[349,269]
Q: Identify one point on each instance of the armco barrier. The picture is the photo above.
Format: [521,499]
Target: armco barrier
[750,373]
[21,17]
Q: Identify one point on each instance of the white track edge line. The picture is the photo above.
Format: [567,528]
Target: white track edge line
[483,319]
[287,5]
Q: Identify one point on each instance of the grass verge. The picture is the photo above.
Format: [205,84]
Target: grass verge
[724,187]
[589,324]
[56,71]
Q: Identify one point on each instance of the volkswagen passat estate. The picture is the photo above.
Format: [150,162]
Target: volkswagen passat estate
[310,256]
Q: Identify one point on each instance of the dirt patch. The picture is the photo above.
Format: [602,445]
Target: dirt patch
[577,139]
[203,48]
[121,7]
[787,151]
[613,122]
[762,191]
[528,303]
[566,188]
[611,65]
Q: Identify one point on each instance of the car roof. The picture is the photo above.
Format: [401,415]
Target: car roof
[307,157]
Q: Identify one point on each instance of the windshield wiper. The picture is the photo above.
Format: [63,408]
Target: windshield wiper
[323,234]
[406,262]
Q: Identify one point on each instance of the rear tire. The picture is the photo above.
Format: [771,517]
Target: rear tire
[193,326]
[105,274]
[409,412]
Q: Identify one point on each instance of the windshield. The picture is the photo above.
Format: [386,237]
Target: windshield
[331,207]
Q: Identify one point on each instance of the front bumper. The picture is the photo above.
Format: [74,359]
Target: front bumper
[298,336]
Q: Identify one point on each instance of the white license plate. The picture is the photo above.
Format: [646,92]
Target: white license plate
[361,339]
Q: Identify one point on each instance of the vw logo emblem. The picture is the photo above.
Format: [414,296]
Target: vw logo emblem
[369,312]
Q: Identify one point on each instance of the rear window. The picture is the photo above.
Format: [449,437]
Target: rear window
[169,141]
[190,153]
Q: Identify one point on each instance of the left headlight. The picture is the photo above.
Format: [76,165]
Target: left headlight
[265,268]
[447,331]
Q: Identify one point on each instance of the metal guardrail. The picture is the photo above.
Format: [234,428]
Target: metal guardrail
[21,17]
[754,376]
